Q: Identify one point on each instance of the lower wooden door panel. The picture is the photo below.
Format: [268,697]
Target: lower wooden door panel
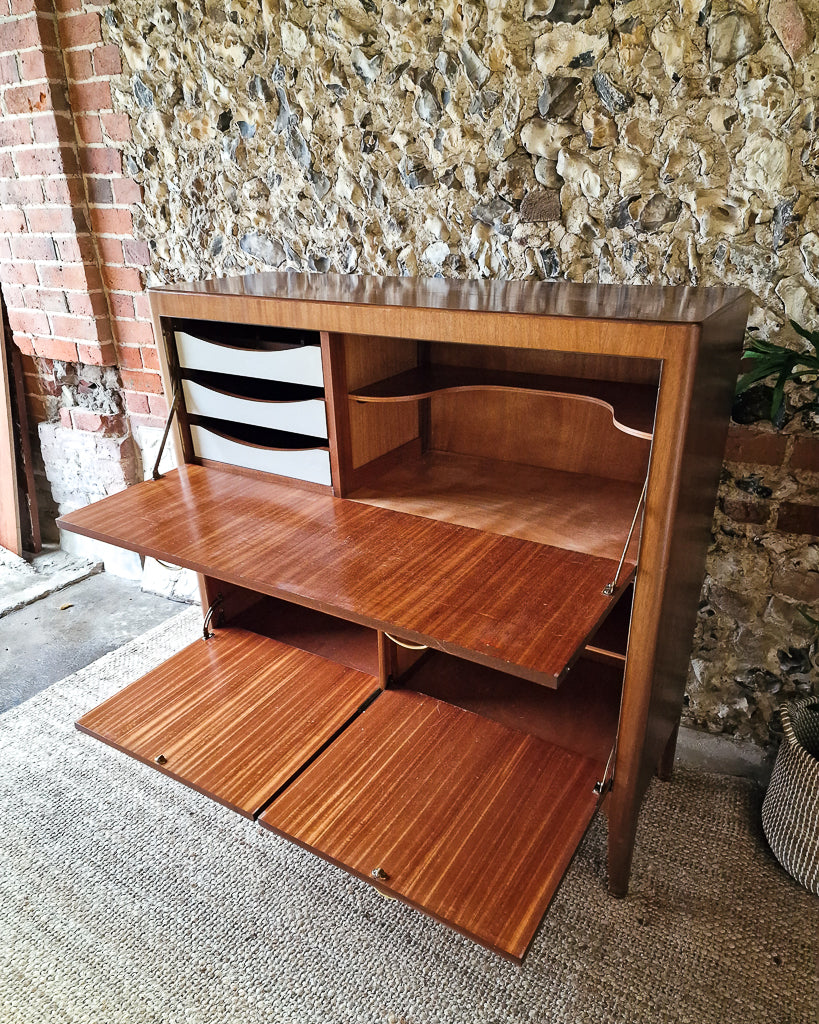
[462,817]
[234,717]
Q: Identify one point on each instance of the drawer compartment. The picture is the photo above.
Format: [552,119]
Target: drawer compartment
[293,407]
[272,360]
[234,717]
[468,820]
[270,451]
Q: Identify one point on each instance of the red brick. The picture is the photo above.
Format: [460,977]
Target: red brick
[129,357]
[9,74]
[68,5]
[28,321]
[89,127]
[87,96]
[158,406]
[798,518]
[98,355]
[136,403]
[49,220]
[50,127]
[23,99]
[743,510]
[12,221]
[110,250]
[107,61]
[45,26]
[79,30]
[122,306]
[20,193]
[83,328]
[77,277]
[126,192]
[77,248]
[142,307]
[15,131]
[5,249]
[746,445]
[134,332]
[64,190]
[142,380]
[150,358]
[33,66]
[78,65]
[122,279]
[117,127]
[87,303]
[33,247]
[22,6]
[13,295]
[112,221]
[25,345]
[156,422]
[85,419]
[101,160]
[47,299]
[99,190]
[20,34]
[6,165]
[45,161]
[805,454]
[65,417]
[18,273]
[136,252]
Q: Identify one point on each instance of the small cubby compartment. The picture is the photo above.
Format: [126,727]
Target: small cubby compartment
[546,446]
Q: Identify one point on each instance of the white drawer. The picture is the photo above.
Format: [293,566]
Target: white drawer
[299,417]
[311,464]
[299,364]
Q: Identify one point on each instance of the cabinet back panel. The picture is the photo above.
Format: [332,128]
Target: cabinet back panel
[537,430]
[562,364]
[376,431]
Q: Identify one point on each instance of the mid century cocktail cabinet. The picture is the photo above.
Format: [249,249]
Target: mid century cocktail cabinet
[451,538]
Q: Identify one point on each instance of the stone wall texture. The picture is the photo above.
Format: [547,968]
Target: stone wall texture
[638,142]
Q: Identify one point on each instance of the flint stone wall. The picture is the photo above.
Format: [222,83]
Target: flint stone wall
[635,142]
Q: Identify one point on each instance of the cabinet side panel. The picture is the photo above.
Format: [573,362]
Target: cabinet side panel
[374,431]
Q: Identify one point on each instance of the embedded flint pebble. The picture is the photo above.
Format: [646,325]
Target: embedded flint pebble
[142,94]
[611,97]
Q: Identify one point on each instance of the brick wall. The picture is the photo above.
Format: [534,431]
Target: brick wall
[70,269]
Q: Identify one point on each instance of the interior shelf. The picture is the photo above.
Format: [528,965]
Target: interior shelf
[631,405]
[234,717]
[574,511]
[522,607]
[470,821]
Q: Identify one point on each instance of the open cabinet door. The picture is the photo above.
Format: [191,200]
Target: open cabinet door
[10,533]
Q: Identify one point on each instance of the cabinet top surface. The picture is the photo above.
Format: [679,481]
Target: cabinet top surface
[528,298]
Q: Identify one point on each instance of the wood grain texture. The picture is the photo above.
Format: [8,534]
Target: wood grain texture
[10,533]
[530,298]
[631,405]
[537,430]
[581,716]
[523,607]
[472,822]
[234,716]
[574,511]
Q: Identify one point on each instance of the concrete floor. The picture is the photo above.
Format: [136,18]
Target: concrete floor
[44,641]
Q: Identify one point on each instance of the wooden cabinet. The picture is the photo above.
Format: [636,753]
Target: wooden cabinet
[453,535]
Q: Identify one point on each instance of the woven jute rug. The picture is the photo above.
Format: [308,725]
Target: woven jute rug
[125,897]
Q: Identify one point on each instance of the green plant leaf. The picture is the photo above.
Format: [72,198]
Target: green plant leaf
[811,337]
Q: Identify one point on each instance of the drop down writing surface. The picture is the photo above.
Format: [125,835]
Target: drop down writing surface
[523,607]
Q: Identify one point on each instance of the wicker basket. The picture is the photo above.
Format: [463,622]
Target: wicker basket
[790,811]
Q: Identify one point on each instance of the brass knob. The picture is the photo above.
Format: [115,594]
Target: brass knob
[379,873]
[160,759]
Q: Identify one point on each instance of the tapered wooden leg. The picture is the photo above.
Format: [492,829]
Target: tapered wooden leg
[665,767]
[623,811]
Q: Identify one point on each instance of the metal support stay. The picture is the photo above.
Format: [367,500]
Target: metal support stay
[155,474]
[206,631]
[610,588]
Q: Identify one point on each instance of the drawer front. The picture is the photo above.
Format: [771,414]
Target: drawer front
[311,464]
[308,417]
[299,365]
